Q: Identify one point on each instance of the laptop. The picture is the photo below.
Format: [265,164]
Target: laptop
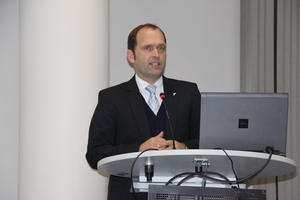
[244,121]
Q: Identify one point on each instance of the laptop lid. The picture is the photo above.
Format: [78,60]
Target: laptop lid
[244,121]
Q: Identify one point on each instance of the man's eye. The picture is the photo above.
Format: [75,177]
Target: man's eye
[147,48]
[161,48]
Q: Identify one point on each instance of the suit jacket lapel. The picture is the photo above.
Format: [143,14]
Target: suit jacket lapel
[171,103]
[136,103]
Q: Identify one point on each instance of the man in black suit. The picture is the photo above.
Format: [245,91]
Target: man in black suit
[123,121]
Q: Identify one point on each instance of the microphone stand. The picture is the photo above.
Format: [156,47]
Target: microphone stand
[163,96]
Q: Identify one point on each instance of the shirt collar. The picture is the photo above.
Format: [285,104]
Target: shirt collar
[143,84]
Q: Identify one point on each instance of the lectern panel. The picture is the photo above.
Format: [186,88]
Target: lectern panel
[203,193]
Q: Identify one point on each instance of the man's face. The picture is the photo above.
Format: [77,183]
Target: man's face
[150,55]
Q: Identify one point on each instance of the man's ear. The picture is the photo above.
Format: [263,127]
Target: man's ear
[130,56]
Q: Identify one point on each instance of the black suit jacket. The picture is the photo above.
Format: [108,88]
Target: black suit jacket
[119,124]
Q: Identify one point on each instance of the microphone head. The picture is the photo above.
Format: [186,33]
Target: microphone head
[162,96]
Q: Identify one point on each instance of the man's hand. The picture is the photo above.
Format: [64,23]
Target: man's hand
[159,143]
[154,142]
[169,145]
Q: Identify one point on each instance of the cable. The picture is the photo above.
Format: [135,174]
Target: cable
[131,171]
[195,174]
[189,175]
[236,178]
[202,175]
[269,150]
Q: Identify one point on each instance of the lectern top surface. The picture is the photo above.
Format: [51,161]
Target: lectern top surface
[172,162]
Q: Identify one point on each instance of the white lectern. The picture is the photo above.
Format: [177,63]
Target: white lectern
[172,162]
[169,163]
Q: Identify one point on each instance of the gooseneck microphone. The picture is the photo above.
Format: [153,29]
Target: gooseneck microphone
[163,96]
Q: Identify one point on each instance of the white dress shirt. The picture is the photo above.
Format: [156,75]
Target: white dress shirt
[142,87]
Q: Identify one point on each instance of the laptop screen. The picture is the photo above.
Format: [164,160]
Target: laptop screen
[244,121]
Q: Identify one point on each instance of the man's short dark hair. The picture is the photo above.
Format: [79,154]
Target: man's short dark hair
[131,42]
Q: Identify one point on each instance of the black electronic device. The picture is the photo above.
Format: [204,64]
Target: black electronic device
[158,192]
